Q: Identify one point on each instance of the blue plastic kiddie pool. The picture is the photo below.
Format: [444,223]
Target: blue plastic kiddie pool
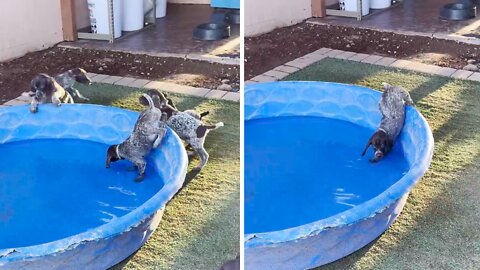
[60,208]
[310,197]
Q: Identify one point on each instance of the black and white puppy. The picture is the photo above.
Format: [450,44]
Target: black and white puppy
[68,78]
[187,126]
[44,89]
[392,106]
[147,134]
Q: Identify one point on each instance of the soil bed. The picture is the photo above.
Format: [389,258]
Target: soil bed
[267,51]
[15,75]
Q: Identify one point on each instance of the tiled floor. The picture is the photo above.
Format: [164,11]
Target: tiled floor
[173,34]
[421,16]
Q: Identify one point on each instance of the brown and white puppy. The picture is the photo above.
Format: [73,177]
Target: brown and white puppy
[187,126]
[44,89]
[147,134]
[68,78]
[155,92]
[392,106]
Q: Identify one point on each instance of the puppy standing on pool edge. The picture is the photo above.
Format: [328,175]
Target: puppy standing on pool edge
[44,89]
[392,106]
[148,132]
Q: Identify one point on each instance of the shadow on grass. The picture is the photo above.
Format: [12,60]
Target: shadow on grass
[207,245]
[122,264]
[439,225]
[213,230]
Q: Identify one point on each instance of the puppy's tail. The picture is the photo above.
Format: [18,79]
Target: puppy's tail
[149,100]
[217,125]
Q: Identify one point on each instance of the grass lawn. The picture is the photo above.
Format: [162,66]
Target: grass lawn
[200,227]
[440,224]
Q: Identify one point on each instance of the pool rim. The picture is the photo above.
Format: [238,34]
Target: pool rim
[365,210]
[111,229]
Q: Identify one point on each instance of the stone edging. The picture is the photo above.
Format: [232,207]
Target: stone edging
[231,61]
[288,68]
[142,83]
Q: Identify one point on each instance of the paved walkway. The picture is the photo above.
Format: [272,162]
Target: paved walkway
[142,83]
[288,68]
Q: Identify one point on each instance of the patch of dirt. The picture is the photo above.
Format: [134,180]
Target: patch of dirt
[282,45]
[15,75]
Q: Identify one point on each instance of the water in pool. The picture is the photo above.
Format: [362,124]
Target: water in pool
[52,189]
[302,169]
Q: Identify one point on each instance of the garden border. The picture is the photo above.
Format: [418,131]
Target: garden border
[148,84]
[302,62]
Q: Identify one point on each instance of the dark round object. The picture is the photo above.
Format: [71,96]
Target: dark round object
[211,31]
[233,16]
[458,12]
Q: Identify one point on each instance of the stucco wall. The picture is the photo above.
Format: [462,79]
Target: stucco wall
[27,25]
[266,15]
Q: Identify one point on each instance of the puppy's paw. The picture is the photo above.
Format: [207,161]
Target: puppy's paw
[33,109]
[139,178]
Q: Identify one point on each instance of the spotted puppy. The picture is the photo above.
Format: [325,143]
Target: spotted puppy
[44,89]
[188,127]
[68,78]
[392,106]
[157,93]
[148,132]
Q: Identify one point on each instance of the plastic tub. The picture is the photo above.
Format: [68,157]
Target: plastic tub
[133,15]
[161,8]
[351,5]
[380,4]
[99,24]
[60,208]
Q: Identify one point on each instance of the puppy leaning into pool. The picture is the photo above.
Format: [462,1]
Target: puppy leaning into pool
[392,106]
[147,134]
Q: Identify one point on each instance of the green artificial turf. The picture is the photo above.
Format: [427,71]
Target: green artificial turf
[200,227]
[439,227]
